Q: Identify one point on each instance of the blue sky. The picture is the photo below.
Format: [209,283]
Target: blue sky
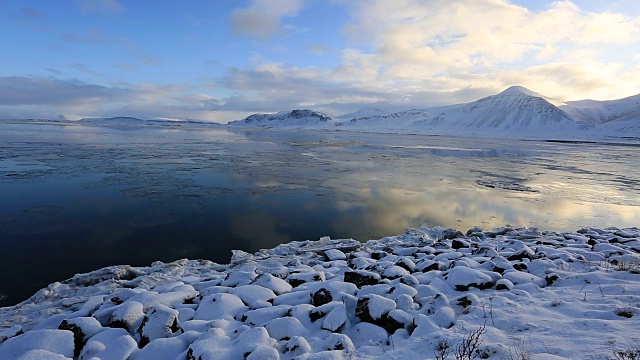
[223,60]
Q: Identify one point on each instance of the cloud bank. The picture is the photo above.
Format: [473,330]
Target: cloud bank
[392,54]
[412,53]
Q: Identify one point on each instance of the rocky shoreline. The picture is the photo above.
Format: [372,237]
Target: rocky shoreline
[418,295]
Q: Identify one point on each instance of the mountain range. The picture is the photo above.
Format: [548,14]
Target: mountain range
[515,111]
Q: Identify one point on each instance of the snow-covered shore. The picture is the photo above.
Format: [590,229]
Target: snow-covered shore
[525,293]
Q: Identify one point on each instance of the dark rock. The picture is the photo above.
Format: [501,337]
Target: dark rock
[628,313]
[361,278]
[475,231]
[406,263]
[504,284]
[524,253]
[463,302]
[316,314]
[78,336]
[459,244]
[441,246]
[450,234]
[362,312]
[82,328]
[520,266]
[429,265]
[398,319]
[377,255]
[363,309]
[295,282]
[551,278]
[391,325]
[321,297]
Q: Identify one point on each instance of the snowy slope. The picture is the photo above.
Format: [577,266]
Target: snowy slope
[625,125]
[365,112]
[420,295]
[517,111]
[294,119]
[604,111]
[400,121]
[133,121]
[516,108]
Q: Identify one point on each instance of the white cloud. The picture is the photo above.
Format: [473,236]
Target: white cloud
[417,53]
[400,54]
[47,97]
[421,39]
[262,20]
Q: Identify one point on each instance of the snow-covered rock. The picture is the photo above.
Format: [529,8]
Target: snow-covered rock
[395,298]
[54,341]
[462,278]
[286,119]
[514,112]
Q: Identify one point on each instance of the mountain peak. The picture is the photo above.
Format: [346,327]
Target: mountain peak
[292,118]
[519,90]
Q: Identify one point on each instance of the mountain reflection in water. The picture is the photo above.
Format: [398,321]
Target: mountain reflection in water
[76,198]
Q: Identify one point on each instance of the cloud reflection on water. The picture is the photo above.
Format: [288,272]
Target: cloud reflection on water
[385,211]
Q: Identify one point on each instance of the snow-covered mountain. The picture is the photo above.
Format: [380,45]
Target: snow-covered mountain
[295,119]
[628,124]
[517,111]
[365,112]
[400,121]
[118,120]
[599,112]
[516,108]
[133,121]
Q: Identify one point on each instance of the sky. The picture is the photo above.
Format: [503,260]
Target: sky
[221,60]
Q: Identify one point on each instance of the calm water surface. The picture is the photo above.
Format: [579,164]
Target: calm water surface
[77,198]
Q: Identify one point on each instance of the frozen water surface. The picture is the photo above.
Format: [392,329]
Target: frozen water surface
[76,198]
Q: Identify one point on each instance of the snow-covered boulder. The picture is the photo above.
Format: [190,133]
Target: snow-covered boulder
[275,284]
[220,306]
[159,322]
[463,278]
[59,342]
[82,328]
[374,309]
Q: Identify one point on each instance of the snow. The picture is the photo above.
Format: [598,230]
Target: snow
[335,254]
[277,285]
[560,295]
[249,294]
[365,112]
[294,119]
[53,341]
[516,112]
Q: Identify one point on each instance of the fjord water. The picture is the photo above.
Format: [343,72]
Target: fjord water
[77,198]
